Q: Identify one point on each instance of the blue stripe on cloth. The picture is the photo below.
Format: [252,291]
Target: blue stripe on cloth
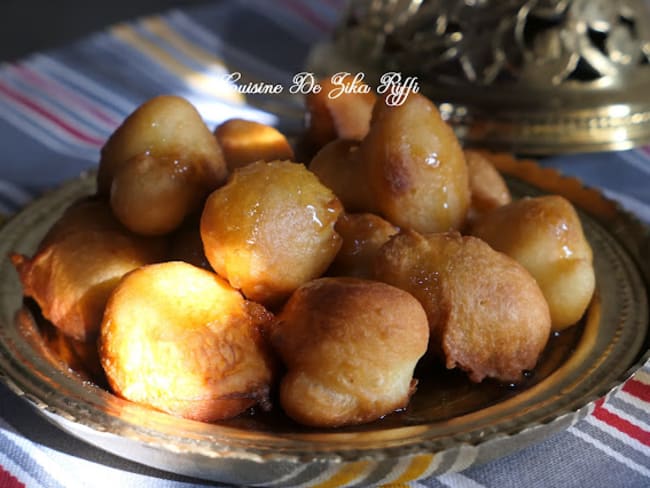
[33,116]
[606,170]
[96,59]
[60,85]
[9,204]
[450,480]
[626,446]
[287,109]
[25,460]
[13,195]
[16,474]
[138,70]
[620,404]
[82,79]
[35,160]
[631,204]
[68,125]
[77,464]
[294,14]
[633,470]
[561,460]
[236,59]
[251,32]
[78,110]
[172,51]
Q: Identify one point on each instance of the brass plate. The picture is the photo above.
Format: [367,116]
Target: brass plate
[450,424]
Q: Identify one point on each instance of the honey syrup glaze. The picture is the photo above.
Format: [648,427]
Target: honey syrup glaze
[441,394]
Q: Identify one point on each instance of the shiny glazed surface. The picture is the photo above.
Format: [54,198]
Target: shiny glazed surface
[447,418]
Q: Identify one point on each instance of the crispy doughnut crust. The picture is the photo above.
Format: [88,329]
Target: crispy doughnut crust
[246,141]
[350,347]
[486,313]
[270,229]
[545,235]
[153,195]
[338,167]
[79,262]
[487,187]
[165,126]
[178,338]
[363,235]
[346,116]
[415,167]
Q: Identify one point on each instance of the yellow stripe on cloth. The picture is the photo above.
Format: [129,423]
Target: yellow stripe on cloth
[156,25]
[642,377]
[345,475]
[416,468]
[197,80]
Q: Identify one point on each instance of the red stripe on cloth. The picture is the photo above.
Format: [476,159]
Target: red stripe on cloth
[8,480]
[26,102]
[308,14]
[638,389]
[54,88]
[625,426]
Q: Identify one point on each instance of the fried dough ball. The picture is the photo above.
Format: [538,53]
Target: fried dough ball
[338,167]
[487,187]
[159,165]
[350,347]
[486,313]
[79,263]
[545,235]
[333,114]
[152,196]
[415,167]
[246,141]
[178,338]
[88,214]
[363,234]
[270,229]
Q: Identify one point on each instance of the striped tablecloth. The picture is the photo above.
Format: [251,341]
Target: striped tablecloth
[58,107]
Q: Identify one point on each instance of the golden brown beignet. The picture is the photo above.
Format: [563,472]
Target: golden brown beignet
[487,187]
[332,114]
[415,167]
[79,263]
[545,235]
[178,338]
[159,165]
[246,141]
[363,234]
[152,195]
[486,313]
[338,167]
[270,229]
[350,347]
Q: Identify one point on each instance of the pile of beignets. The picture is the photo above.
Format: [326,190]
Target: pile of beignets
[212,273]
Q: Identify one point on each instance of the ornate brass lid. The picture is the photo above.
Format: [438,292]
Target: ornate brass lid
[533,76]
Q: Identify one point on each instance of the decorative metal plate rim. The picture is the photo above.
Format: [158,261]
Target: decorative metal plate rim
[299,451]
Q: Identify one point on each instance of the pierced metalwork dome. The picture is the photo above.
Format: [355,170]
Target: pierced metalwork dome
[535,76]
